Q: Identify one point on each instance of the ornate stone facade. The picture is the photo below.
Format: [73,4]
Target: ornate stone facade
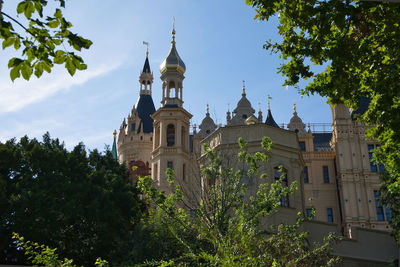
[333,169]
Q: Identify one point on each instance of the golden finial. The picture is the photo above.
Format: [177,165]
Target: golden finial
[294,107]
[147,47]
[244,89]
[259,107]
[115,134]
[173,31]
[208,109]
[269,103]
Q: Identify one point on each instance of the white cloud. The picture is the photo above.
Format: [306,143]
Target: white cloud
[17,95]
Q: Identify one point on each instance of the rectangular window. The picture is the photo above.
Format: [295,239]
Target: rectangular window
[277,175]
[325,171]
[329,212]
[373,167]
[302,146]
[382,213]
[305,170]
[170,164]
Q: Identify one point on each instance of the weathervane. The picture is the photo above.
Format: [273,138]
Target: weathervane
[147,47]
[269,103]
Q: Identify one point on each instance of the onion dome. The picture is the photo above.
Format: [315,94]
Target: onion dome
[296,124]
[207,126]
[251,120]
[173,60]
[243,110]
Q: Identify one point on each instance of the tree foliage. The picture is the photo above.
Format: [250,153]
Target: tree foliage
[42,38]
[83,204]
[226,228]
[45,256]
[356,48]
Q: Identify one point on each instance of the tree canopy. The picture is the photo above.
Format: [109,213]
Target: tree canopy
[43,38]
[228,227]
[347,50]
[83,204]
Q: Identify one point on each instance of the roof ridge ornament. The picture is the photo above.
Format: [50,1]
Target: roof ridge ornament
[173,31]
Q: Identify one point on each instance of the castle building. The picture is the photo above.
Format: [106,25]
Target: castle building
[332,168]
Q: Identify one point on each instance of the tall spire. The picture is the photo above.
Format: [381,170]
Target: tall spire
[270,120]
[146,77]
[114,146]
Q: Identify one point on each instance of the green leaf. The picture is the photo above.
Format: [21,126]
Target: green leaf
[8,42]
[53,23]
[26,70]
[69,65]
[14,62]
[29,9]
[14,73]
[58,14]
[21,7]
[59,57]
[39,69]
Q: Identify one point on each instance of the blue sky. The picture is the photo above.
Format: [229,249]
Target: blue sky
[219,41]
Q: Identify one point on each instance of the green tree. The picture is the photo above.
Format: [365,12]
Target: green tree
[226,228]
[348,50]
[83,204]
[42,38]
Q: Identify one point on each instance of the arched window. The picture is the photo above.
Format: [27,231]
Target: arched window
[170,135]
[278,172]
[172,89]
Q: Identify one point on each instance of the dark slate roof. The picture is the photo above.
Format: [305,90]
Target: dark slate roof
[144,109]
[321,141]
[146,67]
[270,120]
[114,150]
[362,107]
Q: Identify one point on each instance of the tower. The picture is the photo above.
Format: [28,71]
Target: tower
[171,123]
[135,140]
[357,176]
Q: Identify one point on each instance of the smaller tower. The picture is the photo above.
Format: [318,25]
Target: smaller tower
[270,120]
[242,111]
[172,70]
[135,139]
[207,126]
